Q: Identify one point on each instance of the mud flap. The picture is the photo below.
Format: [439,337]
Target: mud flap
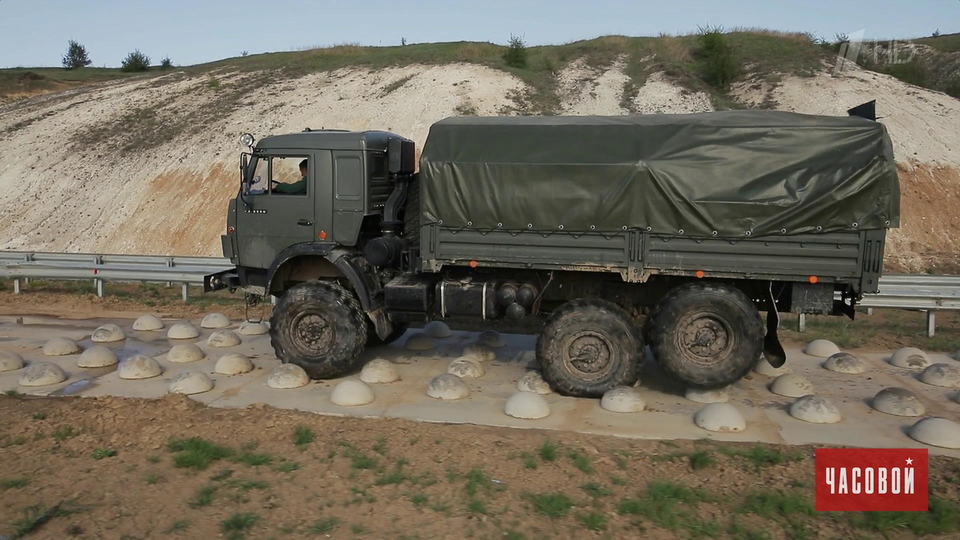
[772,349]
[381,323]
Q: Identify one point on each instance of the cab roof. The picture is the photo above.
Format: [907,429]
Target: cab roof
[328,139]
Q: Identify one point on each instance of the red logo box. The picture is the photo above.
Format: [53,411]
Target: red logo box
[871,479]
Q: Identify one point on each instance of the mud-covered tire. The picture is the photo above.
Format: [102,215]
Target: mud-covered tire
[373,340]
[706,334]
[588,347]
[319,326]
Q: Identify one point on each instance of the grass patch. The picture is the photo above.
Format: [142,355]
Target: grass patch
[287,466]
[152,479]
[357,528]
[702,460]
[941,518]
[596,490]
[476,478]
[529,460]
[581,461]
[777,503]
[476,506]
[36,516]
[762,456]
[380,446]
[668,504]
[593,521]
[13,483]
[552,505]
[101,453]
[397,476]
[360,461]
[178,527]
[618,480]
[325,525]
[237,525]
[63,433]
[548,451]
[418,499]
[39,415]
[302,437]
[203,497]
[196,453]
[254,459]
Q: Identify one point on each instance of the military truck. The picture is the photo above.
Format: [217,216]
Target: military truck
[574,227]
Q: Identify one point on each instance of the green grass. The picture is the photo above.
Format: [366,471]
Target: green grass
[476,506]
[287,466]
[529,460]
[394,477]
[360,461]
[152,479]
[762,456]
[702,460]
[196,453]
[153,459]
[36,516]
[618,480]
[203,497]
[380,446]
[945,43]
[596,490]
[357,528]
[324,525]
[548,451]
[238,524]
[476,478]
[777,503]
[941,518]
[552,505]
[63,433]
[302,437]
[593,521]
[40,415]
[581,461]
[101,453]
[668,504]
[418,499]
[254,459]
[178,527]
[13,483]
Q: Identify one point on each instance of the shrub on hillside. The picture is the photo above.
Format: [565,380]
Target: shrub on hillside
[166,63]
[516,55]
[718,64]
[76,56]
[912,72]
[135,61]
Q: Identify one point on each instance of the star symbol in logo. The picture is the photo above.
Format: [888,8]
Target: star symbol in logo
[909,461]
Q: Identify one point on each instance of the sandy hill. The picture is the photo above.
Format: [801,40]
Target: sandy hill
[146,164]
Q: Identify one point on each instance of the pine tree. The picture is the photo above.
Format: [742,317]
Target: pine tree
[76,56]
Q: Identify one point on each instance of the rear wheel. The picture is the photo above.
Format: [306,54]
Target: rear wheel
[588,347]
[706,334]
[319,326]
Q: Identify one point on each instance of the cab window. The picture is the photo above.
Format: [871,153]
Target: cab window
[280,175]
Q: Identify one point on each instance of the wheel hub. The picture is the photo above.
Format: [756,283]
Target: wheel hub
[314,332]
[705,336]
[589,353]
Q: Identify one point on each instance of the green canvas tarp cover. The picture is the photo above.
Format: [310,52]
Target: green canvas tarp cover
[729,173]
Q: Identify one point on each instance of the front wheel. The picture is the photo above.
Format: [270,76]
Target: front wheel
[706,334]
[588,347]
[319,326]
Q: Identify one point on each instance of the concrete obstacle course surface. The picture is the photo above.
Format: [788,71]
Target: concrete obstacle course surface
[532,381]
[185,353]
[42,374]
[845,362]
[60,346]
[350,393]
[287,376]
[10,361]
[815,409]
[527,406]
[490,338]
[215,321]
[721,418]
[898,402]
[233,364]
[466,367]
[700,395]
[248,328]
[148,323]
[481,352]
[437,330]
[910,358]
[420,342]
[937,432]
[183,330]
[763,367]
[138,367]
[791,385]
[622,399]
[448,387]
[821,348]
[190,382]
[97,356]
[379,371]
[108,333]
[945,375]
[223,339]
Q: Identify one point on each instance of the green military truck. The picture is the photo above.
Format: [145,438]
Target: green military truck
[573,227]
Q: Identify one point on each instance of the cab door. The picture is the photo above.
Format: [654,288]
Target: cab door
[269,220]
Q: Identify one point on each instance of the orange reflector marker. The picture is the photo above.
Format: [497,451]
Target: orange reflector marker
[699,274]
[473,264]
[322,235]
[814,279]
[231,230]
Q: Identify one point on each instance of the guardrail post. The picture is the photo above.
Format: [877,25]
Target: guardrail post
[16,286]
[802,322]
[869,311]
[185,290]
[27,258]
[97,282]
[170,265]
[931,322]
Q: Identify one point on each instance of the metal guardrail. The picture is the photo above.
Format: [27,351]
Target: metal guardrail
[23,266]
[918,292]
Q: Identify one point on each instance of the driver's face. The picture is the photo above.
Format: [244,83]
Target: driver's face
[303,171]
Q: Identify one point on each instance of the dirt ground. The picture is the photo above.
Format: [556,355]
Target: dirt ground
[125,468]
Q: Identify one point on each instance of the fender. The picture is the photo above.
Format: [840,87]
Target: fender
[353,267]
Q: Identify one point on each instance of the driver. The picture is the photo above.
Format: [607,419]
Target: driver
[296,188]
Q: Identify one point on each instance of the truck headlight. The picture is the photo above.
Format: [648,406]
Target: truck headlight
[247,140]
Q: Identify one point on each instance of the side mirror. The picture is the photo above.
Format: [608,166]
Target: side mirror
[244,185]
